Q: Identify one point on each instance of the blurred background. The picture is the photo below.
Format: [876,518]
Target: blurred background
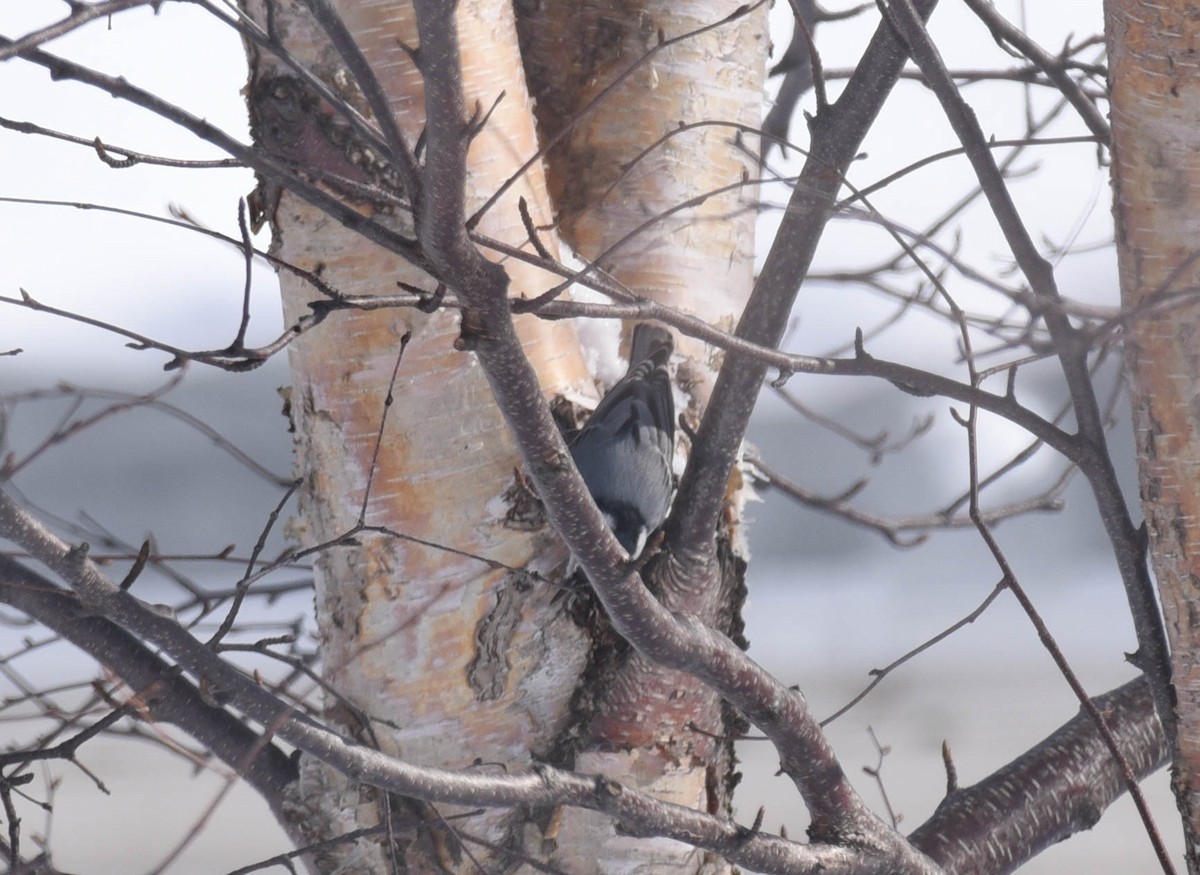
[829,600]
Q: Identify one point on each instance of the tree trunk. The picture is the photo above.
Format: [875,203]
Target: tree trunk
[669,210]
[441,642]
[1155,90]
[438,643]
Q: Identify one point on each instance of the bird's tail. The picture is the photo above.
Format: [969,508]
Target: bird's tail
[647,340]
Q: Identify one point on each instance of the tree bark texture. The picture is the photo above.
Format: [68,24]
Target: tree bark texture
[1154,79]
[614,104]
[644,107]
[441,646]
[441,649]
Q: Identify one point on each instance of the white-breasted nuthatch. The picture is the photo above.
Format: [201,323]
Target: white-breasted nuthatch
[625,449]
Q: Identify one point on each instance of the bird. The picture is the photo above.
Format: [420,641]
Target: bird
[625,449]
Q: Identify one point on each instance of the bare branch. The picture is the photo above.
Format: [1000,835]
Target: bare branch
[835,140]
[1066,781]
[259,160]
[106,152]
[1072,349]
[1004,31]
[81,14]
[177,702]
[638,814]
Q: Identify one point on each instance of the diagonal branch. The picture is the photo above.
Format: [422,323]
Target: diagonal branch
[1066,782]
[176,701]
[81,14]
[399,151]
[1054,68]
[836,136]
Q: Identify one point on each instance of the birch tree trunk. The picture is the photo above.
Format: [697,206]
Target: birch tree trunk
[437,644]
[1155,88]
[619,96]
[441,641]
